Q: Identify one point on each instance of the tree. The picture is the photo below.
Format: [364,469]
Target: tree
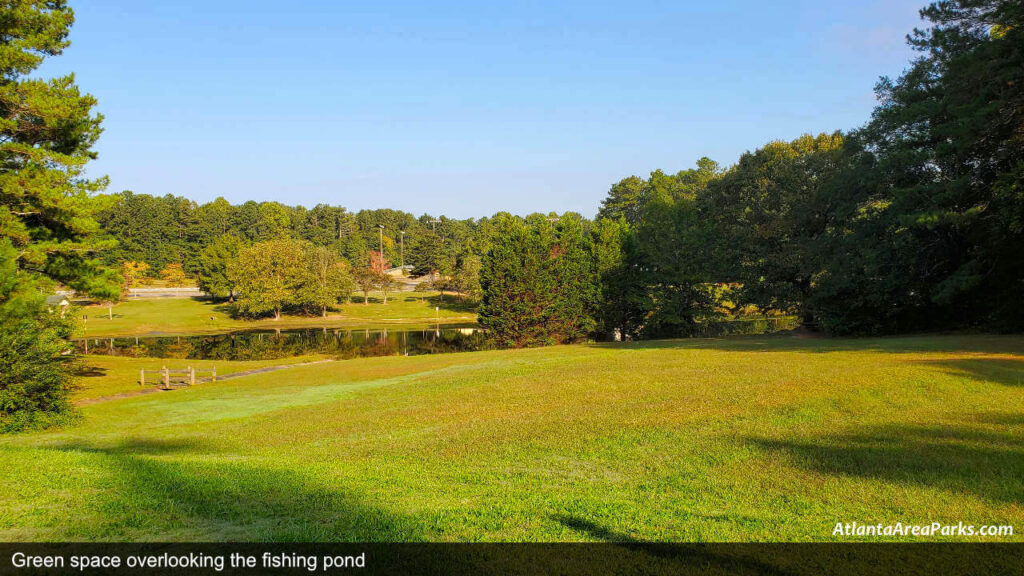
[366,279]
[269,276]
[272,222]
[215,267]
[48,232]
[328,280]
[173,275]
[574,278]
[625,200]
[537,281]
[36,379]
[466,280]
[661,284]
[771,210]
[517,284]
[386,284]
[931,200]
[133,272]
[622,296]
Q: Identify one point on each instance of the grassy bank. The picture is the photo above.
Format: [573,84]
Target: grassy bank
[110,375]
[746,439]
[180,316]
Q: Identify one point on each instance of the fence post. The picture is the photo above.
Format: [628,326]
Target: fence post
[167,378]
[191,376]
[142,377]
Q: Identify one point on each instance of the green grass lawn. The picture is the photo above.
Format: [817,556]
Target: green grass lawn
[763,438]
[180,316]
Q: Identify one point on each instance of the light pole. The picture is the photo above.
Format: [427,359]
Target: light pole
[380,228]
[402,252]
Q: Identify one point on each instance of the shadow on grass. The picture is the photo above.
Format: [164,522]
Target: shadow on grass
[1006,371]
[681,559]
[592,530]
[984,457]
[186,489]
[454,303]
[90,371]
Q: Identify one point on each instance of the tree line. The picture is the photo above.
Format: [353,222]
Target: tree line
[914,221]
[168,230]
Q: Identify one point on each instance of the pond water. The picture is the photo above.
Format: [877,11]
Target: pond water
[271,344]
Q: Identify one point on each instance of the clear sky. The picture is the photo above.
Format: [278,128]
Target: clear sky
[463,108]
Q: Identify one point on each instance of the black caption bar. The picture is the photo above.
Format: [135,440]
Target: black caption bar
[500,559]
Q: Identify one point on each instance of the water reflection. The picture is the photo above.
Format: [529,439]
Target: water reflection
[266,345]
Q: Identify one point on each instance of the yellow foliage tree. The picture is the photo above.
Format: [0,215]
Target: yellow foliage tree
[173,275]
[132,272]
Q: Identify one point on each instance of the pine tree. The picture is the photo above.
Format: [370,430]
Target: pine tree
[47,230]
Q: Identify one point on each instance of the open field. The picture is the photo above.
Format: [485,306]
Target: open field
[181,316]
[763,438]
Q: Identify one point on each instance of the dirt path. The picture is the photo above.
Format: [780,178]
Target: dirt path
[87,401]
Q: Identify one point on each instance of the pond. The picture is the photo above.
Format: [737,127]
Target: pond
[271,344]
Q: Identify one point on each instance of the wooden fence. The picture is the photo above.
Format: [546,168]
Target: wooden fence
[168,379]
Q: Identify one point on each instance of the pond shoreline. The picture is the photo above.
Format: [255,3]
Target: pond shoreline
[268,344]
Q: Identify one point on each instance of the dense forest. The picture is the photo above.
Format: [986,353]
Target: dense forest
[174,230]
[912,222]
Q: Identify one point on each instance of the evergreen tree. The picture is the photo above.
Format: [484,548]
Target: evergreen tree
[215,267]
[932,198]
[47,228]
[538,281]
[625,200]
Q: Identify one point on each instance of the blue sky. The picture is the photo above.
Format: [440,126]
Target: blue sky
[463,108]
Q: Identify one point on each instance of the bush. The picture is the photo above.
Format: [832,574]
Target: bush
[35,371]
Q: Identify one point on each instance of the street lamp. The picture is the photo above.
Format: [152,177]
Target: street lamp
[402,252]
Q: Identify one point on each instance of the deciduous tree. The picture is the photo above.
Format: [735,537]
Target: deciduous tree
[269,276]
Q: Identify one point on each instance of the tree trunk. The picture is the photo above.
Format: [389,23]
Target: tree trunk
[110,310]
[366,297]
[277,313]
[324,313]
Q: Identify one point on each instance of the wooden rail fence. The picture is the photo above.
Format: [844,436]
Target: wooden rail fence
[168,379]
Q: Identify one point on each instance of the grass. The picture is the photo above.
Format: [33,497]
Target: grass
[181,316]
[110,375]
[748,439]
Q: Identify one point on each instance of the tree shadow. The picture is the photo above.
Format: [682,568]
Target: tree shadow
[188,489]
[685,559]
[454,303]
[593,530]
[89,371]
[984,457]
[1006,371]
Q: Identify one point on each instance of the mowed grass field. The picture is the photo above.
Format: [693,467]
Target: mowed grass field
[762,438]
[105,376]
[182,316]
